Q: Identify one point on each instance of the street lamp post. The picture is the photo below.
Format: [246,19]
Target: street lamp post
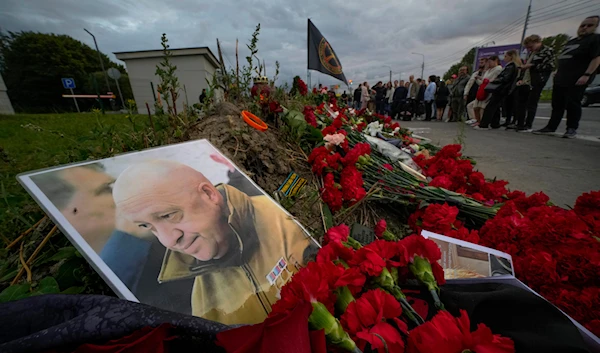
[99,58]
[390,71]
[423,64]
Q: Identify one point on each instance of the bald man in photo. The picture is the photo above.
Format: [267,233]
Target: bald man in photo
[231,243]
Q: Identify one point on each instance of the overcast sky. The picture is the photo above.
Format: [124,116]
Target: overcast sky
[366,35]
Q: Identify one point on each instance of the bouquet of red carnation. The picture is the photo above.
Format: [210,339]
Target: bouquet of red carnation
[353,294]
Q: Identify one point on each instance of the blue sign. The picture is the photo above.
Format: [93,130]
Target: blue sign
[68,83]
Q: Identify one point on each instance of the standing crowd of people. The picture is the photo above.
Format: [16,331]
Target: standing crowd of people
[493,91]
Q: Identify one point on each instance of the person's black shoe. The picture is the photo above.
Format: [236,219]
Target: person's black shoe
[523,129]
[496,127]
[543,131]
[511,127]
[570,134]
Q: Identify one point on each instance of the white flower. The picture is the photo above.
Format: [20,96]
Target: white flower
[373,128]
[330,105]
[395,131]
[336,113]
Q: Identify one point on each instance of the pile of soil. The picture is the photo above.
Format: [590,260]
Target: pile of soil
[266,157]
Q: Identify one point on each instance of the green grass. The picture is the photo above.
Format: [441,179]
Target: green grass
[546,96]
[30,142]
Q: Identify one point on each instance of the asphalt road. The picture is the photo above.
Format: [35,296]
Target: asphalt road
[562,168]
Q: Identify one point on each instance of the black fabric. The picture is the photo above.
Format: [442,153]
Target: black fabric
[575,58]
[66,321]
[566,98]
[491,113]
[321,56]
[400,93]
[532,102]
[522,97]
[442,95]
[506,80]
[421,93]
[357,94]
[509,108]
[534,324]
[428,110]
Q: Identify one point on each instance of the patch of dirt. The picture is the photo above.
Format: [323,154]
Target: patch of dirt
[266,157]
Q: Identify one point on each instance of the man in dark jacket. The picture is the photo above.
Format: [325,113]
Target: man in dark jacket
[357,94]
[577,66]
[398,99]
[379,98]
[534,74]
[457,102]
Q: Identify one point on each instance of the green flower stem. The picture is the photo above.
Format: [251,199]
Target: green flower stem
[386,281]
[344,298]
[321,319]
[353,243]
[421,268]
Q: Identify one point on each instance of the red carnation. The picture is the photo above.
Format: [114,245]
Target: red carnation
[392,252]
[310,116]
[328,130]
[334,250]
[312,283]
[380,227]
[353,278]
[417,245]
[388,166]
[449,151]
[447,334]
[536,269]
[374,319]
[275,107]
[588,204]
[336,234]
[352,184]
[439,218]
[359,149]
[369,261]
[442,181]
[330,194]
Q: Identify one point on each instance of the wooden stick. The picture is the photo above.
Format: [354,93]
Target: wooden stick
[25,233]
[237,71]
[24,264]
[35,253]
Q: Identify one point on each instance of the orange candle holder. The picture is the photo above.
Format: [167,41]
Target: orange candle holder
[254,121]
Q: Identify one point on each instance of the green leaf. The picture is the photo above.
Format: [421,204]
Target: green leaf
[48,285]
[73,290]
[313,135]
[8,276]
[15,292]
[68,274]
[328,216]
[62,253]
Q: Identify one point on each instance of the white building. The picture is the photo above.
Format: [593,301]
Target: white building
[194,67]
[5,105]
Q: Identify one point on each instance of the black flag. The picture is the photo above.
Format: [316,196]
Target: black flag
[321,56]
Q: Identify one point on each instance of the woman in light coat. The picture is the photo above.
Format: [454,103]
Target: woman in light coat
[493,70]
[364,97]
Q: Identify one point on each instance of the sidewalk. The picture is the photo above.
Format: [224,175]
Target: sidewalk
[561,168]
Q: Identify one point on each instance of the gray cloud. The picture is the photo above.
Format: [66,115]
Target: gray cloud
[367,36]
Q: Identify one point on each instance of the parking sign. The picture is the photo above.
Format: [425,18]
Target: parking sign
[68,83]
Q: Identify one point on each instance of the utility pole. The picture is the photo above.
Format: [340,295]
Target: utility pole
[525,27]
[390,71]
[99,58]
[423,64]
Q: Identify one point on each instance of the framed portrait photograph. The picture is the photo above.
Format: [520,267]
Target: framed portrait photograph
[179,227]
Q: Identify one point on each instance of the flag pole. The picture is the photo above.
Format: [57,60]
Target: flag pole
[307,53]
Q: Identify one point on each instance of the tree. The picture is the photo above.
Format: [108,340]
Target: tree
[33,64]
[557,43]
[467,60]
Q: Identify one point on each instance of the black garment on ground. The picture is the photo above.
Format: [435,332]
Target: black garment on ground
[566,98]
[64,322]
[575,58]
[531,322]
